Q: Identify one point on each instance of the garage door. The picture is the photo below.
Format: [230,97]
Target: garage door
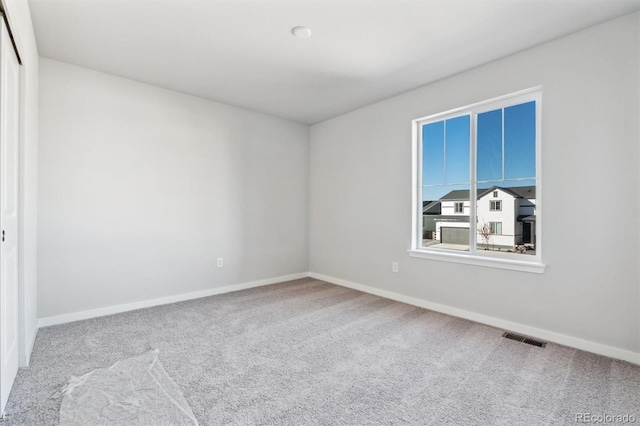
[454,235]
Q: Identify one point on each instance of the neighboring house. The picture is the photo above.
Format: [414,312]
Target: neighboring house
[508,214]
[430,211]
[452,226]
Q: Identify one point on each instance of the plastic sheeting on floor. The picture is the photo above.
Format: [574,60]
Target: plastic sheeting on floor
[134,391]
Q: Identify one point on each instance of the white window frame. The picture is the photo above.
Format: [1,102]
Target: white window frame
[495,203]
[502,260]
[495,226]
[455,207]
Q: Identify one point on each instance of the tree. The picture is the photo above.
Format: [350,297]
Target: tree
[485,233]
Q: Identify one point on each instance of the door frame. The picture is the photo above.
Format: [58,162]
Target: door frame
[11,73]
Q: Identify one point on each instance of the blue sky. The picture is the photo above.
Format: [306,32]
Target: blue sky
[445,151]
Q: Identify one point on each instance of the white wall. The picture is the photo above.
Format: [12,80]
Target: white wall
[141,189]
[361,192]
[19,18]
[448,208]
[507,216]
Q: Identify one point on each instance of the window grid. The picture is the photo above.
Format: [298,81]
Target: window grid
[495,228]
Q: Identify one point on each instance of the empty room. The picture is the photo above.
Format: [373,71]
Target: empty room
[319,212]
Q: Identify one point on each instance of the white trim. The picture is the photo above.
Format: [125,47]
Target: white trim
[551,336]
[27,302]
[547,335]
[499,101]
[473,186]
[473,256]
[495,260]
[416,176]
[539,241]
[31,341]
[444,152]
[110,310]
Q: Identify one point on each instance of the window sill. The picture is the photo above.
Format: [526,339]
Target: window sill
[469,259]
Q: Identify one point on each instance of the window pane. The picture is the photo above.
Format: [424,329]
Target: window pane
[496,228]
[489,145]
[445,217]
[433,153]
[520,141]
[457,149]
[511,229]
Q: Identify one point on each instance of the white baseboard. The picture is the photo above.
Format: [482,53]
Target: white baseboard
[110,310]
[550,336]
[30,344]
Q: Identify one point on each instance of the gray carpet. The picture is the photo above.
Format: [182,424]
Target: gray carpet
[307,352]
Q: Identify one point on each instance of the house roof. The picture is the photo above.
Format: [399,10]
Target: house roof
[457,194]
[515,191]
[431,207]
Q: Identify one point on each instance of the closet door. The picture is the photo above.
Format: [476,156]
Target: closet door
[9,127]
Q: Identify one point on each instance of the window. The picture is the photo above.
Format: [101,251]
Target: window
[495,228]
[467,156]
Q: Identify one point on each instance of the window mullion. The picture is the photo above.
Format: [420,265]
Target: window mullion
[473,224]
[502,134]
[444,153]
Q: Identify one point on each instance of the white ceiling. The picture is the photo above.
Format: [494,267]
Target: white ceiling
[241,52]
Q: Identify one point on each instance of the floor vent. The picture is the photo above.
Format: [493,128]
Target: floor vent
[523,339]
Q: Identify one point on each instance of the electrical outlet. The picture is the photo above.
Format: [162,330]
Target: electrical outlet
[394,266]
[220,262]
